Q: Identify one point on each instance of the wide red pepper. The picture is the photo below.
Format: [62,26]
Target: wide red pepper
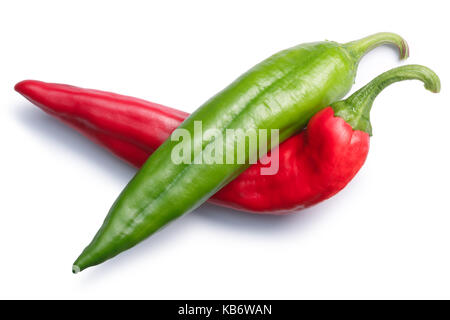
[314,165]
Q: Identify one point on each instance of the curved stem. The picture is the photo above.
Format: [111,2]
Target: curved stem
[359,48]
[355,110]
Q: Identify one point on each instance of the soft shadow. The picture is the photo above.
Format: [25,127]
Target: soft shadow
[256,223]
[71,141]
[269,226]
[161,241]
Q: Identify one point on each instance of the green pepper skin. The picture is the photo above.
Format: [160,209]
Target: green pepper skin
[282,92]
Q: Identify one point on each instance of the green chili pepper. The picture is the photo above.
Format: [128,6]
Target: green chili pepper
[282,92]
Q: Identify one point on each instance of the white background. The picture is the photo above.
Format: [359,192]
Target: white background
[387,235]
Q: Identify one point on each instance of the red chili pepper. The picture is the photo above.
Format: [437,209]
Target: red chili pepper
[129,127]
[314,165]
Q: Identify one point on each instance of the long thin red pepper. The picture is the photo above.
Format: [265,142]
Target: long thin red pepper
[310,168]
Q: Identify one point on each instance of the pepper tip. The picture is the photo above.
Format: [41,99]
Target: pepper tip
[19,86]
[75,269]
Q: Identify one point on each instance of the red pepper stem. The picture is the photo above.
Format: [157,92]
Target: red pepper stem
[355,110]
[360,47]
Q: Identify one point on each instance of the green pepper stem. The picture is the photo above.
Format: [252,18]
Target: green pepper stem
[355,110]
[359,48]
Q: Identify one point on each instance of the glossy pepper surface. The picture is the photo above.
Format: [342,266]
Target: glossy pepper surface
[133,128]
[314,164]
[332,137]
[282,93]
[105,118]
[324,157]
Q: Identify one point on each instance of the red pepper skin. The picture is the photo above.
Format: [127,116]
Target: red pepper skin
[314,164]
[145,124]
